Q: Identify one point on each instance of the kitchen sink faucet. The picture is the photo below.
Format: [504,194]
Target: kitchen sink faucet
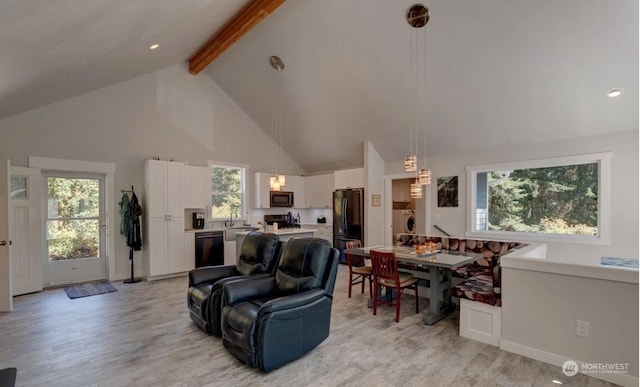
[231,223]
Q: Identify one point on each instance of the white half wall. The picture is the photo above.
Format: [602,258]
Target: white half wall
[540,311]
[168,114]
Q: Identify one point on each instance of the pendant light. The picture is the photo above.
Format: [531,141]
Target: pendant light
[418,16]
[277,179]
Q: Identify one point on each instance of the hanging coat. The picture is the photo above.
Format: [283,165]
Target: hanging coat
[134,239]
[125,214]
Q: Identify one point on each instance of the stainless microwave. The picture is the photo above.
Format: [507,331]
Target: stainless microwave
[281,199]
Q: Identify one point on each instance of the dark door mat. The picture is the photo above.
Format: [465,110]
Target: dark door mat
[89,289]
[8,377]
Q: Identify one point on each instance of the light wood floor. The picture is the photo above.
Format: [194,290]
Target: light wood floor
[142,336]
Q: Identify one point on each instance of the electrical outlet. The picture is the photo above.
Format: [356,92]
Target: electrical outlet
[582,328]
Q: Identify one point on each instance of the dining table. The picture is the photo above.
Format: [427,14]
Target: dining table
[432,268]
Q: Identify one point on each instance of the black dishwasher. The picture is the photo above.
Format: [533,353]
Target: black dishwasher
[209,248]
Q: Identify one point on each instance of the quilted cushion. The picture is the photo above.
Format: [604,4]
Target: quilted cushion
[478,288]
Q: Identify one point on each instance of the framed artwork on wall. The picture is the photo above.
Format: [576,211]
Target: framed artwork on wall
[448,191]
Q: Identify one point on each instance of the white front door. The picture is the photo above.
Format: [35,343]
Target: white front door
[75,227]
[26,230]
[6,298]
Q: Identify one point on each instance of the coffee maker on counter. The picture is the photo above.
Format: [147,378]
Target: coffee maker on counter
[198,220]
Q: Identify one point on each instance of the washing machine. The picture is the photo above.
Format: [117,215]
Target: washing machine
[404,221]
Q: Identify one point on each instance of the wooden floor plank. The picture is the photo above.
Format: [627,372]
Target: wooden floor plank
[141,335]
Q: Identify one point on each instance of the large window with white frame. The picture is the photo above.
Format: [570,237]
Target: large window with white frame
[227,191]
[554,200]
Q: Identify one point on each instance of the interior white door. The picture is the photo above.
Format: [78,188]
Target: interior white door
[6,298]
[25,206]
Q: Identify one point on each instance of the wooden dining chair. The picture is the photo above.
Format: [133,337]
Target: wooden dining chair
[385,273]
[358,271]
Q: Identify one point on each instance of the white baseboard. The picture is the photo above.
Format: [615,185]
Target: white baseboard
[558,360]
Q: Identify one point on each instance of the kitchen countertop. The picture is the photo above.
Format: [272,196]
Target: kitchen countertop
[214,229]
[204,229]
[285,231]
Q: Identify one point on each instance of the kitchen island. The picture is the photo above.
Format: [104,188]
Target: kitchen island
[284,234]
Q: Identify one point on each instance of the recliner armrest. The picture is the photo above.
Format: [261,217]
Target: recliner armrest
[210,274]
[239,291]
[292,301]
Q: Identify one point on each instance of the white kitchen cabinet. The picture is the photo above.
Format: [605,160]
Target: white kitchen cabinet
[163,250]
[261,190]
[349,178]
[293,184]
[296,184]
[324,232]
[189,248]
[196,187]
[230,253]
[319,191]
[163,189]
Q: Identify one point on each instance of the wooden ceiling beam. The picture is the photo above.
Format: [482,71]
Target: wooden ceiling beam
[242,23]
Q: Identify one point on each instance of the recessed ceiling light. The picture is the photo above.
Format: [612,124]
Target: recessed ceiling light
[556,381]
[154,46]
[615,92]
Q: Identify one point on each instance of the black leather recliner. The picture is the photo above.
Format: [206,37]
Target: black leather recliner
[270,321]
[258,257]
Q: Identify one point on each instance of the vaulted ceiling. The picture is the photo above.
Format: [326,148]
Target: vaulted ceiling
[497,72]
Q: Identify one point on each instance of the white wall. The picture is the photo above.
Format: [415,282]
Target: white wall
[624,188]
[540,310]
[373,185]
[169,114]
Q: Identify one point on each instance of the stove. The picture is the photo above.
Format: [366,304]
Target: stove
[281,220]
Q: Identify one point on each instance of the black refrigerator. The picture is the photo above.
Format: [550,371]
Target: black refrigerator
[348,218]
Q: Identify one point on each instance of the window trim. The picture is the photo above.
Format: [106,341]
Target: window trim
[245,169]
[604,200]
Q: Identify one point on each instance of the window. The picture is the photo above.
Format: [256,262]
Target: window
[18,189]
[227,191]
[561,199]
[74,216]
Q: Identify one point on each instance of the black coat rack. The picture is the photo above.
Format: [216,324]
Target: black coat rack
[133,235]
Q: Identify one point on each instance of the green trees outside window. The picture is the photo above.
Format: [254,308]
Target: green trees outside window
[227,191]
[73,218]
[552,200]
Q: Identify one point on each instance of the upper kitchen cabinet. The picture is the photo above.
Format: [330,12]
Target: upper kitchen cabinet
[163,188]
[196,186]
[261,190]
[319,191]
[296,184]
[349,178]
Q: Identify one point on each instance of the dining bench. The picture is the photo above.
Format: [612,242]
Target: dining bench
[480,289]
